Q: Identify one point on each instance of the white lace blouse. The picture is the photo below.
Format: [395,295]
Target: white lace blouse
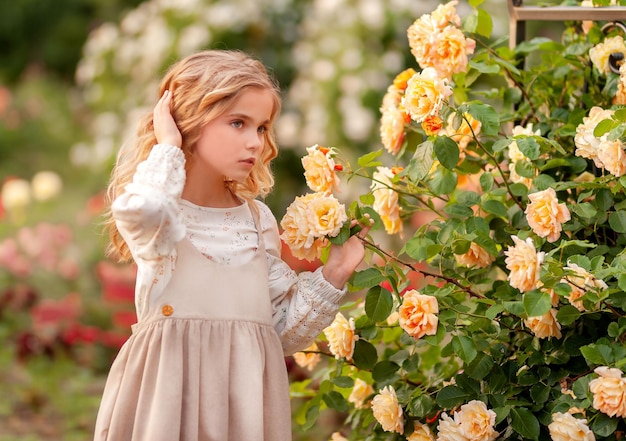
[152,218]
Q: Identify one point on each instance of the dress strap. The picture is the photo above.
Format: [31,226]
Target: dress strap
[256,216]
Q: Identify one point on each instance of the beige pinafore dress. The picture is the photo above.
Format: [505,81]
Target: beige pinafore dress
[206,364]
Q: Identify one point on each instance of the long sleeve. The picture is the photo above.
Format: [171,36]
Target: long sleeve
[303,304]
[148,217]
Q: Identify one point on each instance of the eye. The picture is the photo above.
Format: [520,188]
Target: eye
[262,129]
[237,124]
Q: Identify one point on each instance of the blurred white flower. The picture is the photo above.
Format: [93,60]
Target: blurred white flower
[16,194]
[46,185]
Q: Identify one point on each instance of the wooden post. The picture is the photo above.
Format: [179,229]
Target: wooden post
[519,15]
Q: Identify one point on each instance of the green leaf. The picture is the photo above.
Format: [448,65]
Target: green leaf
[365,355]
[488,117]
[451,396]
[384,372]
[567,315]
[419,167]
[617,221]
[444,181]
[484,26]
[597,354]
[378,304]
[367,278]
[495,207]
[464,347]
[343,381]
[486,181]
[417,248]
[368,160]
[421,406]
[537,303]
[480,367]
[585,210]
[528,146]
[603,425]
[335,400]
[447,152]
[525,423]
[604,126]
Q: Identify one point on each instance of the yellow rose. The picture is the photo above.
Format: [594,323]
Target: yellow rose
[609,391]
[476,421]
[388,411]
[424,94]
[475,257]
[545,215]
[386,200]
[465,133]
[580,281]
[620,95]
[418,314]
[586,142]
[612,156]
[523,261]
[309,358]
[319,170]
[341,337]
[392,129]
[401,80]
[421,432]
[361,391]
[544,326]
[599,54]
[565,427]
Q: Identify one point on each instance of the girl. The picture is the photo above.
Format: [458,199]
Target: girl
[217,308]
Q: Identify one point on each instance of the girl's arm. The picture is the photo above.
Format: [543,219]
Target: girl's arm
[305,304]
[147,212]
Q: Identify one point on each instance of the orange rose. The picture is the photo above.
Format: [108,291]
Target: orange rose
[308,359]
[523,261]
[609,391]
[476,421]
[418,314]
[319,170]
[341,337]
[586,142]
[360,393]
[612,156]
[465,133]
[425,94]
[475,257]
[432,125]
[392,129]
[421,432]
[545,215]
[386,200]
[580,281]
[545,326]
[388,411]
[565,427]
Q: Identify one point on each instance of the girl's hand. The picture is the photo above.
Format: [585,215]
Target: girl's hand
[343,259]
[165,128]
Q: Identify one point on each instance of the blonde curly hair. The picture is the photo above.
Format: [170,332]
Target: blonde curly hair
[203,86]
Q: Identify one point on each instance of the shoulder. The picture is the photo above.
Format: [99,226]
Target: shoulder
[268,220]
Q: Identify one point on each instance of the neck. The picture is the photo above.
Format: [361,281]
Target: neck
[217,198]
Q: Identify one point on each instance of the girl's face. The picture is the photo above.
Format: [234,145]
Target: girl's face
[230,145]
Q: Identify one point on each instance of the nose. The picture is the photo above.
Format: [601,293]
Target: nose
[255,141]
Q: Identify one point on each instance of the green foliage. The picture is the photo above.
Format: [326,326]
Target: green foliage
[517,210]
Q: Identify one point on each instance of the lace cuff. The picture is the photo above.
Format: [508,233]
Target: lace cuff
[163,170]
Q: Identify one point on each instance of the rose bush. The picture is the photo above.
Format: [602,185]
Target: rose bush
[501,177]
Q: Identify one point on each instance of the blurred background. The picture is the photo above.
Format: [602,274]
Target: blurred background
[75,75]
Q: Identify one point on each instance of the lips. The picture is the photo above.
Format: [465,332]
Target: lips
[248,161]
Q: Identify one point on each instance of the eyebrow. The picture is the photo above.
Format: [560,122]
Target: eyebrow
[246,117]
